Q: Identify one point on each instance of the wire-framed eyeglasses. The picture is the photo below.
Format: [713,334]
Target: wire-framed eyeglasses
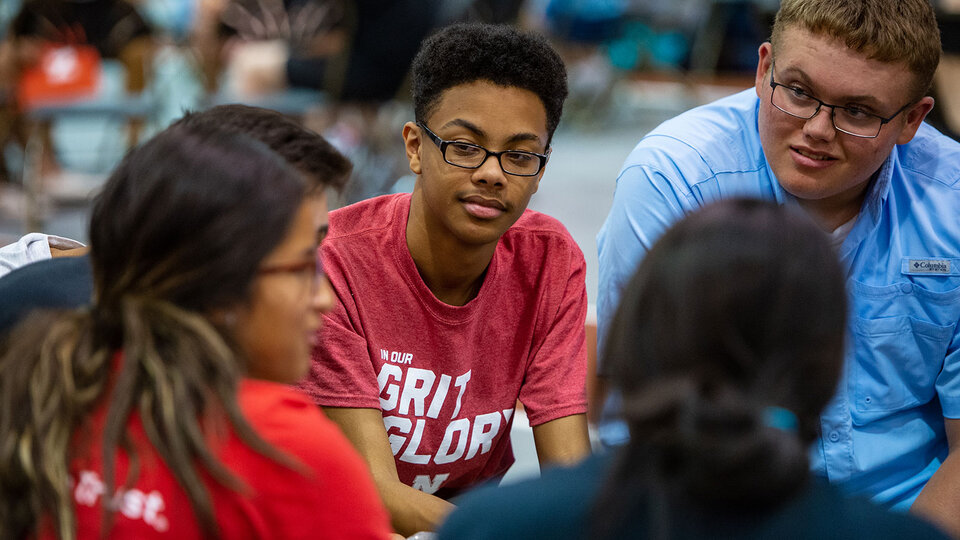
[472,156]
[853,121]
[309,270]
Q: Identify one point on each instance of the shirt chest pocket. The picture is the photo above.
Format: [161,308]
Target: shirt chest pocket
[900,336]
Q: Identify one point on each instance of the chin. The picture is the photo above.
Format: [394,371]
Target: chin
[802,186]
[484,233]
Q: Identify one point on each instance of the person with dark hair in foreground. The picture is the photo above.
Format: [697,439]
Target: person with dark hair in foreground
[835,125]
[165,407]
[455,301]
[727,344]
[64,282]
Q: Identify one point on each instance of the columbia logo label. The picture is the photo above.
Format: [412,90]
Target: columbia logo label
[930,266]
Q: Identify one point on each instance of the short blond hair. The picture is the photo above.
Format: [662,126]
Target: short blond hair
[893,31]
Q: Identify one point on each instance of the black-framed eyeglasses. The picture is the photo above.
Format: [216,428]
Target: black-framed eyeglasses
[472,156]
[850,120]
[310,269]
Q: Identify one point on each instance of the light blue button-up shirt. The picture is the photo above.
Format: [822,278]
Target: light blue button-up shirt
[883,434]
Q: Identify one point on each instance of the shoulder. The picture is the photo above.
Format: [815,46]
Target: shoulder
[933,157]
[284,416]
[68,277]
[288,420]
[556,505]
[716,138]
[537,228]
[334,496]
[368,215]
[52,283]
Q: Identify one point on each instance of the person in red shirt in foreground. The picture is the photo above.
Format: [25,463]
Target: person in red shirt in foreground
[455,300]
[164,410]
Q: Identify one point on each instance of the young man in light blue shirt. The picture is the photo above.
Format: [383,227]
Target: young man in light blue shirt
[835,125]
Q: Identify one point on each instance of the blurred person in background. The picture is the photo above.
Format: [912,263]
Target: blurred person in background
[165,409]
[835,125]
[52,52]
[727,344]
[40,275]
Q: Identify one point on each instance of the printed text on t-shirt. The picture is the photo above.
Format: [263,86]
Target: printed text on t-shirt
[417,396]
[131,503]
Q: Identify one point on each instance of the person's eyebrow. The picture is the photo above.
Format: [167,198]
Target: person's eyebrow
[516,137]
[801,76]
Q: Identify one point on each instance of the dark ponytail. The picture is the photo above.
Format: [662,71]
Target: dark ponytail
[726,346]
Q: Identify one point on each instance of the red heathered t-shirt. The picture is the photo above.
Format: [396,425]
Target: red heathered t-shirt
[336,499]
[447,378]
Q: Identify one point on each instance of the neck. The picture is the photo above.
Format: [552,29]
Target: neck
[452,270]
[834,211]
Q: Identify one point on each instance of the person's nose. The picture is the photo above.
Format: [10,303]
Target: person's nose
[820,126]
[490,173]
[323,298]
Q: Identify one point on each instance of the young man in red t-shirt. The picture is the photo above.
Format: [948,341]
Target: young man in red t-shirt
[455,301]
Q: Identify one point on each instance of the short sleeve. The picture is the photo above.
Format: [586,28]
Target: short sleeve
[341,373]
[948,382]
[555,380]
[334,497]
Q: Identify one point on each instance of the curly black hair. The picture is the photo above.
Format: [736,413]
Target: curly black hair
[464,53]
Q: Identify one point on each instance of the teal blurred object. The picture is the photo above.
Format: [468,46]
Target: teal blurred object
[171,17]
[640,46]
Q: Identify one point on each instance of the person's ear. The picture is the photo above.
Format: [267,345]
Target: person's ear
[412,143]
[914,115]
[764,60]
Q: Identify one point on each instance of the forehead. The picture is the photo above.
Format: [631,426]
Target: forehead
[835,70]
[495,108]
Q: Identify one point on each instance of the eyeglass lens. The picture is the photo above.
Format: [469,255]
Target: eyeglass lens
[797,103]
[472,156]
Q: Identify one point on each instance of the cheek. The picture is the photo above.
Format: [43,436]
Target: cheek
[867,154]
[773,127]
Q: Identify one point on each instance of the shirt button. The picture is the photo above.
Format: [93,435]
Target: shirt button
[834,436]
[906,288]
[867,400]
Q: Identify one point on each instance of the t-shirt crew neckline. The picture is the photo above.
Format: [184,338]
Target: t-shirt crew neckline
[439,310]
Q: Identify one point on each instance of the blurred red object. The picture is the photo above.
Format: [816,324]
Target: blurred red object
[64,73]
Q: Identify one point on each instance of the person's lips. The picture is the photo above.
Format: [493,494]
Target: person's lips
[811,158]
[482,207]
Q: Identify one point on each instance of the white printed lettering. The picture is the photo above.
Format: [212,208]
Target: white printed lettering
[402,425]
[151,512]
[392,390]
[427,485]
[485,429]
[410,455]
[89,489]
[132,504]
[461,382]
[439,397]
[460,429]
[416,388]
